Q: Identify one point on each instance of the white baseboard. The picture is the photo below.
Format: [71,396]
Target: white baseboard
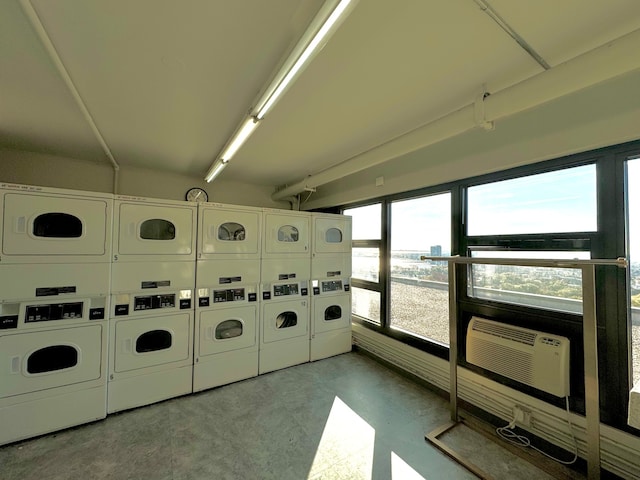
[619,451]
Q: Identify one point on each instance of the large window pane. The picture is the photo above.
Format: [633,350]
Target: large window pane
[419,290]
[553,202]
[365,264]
[633,198]
[541,287]
[365,304]
[366,222]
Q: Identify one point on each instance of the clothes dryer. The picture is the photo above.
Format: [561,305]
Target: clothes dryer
[151,333]
[284,330]
[50,225]
[151,230]
[53,347]
[330,307]
[286,233]
[229,231]
[227,322]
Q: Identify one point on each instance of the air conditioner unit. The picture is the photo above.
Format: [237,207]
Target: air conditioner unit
[534,358]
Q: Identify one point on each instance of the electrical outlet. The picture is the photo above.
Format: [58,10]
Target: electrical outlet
[522,415]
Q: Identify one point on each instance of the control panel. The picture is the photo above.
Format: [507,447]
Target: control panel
[153,302]
[229,295]
[285,289]
[55,311]
[332,286]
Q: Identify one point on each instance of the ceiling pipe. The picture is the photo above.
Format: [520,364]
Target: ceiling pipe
[37,25]
[598,65]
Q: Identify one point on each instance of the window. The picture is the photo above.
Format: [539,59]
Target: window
[547,215]
[231,231]
[366,222]
[541,287]
[633,212]
[365,264]
[552,202]
[366,304]
[157,229]
[51,359]
[366,278]
[153,341]
[419,289]
[57,225]
[228,329]
[288,233]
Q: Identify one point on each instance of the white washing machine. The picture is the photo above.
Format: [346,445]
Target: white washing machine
[50,225]
[330,307]
[229,230]
[286,233]
[151,333]
[285,309]
[53,347]
[150,230]
[227,321]
[331,235]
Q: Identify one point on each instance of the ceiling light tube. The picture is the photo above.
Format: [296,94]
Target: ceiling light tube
[215,169]
[318,33]
[239,138]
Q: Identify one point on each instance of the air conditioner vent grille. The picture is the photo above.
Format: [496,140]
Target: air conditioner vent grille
[506,332]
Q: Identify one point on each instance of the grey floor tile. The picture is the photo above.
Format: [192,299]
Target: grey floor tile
[347,417]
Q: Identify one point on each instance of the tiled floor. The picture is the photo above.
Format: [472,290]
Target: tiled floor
[346,417]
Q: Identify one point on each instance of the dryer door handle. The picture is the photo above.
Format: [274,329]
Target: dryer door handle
[126,345]
[20,225]
[209,333]
[132,229]
[15,365]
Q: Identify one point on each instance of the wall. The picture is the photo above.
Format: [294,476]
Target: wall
[604,115]
[50,171]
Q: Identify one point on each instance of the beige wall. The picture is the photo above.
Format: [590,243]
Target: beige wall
[49,171]
[604,115]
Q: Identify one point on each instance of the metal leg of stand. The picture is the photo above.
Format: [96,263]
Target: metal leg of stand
[453,385]
[591,387]
[453,343]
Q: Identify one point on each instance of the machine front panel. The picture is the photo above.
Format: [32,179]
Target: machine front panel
[144,230]
[46,227]
[227,231]
[283,320]
[331,234]
[139,343]
[45,359]
[227,329]
[286,234]
[331,313]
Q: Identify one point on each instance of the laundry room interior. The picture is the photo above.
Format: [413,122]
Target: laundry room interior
[320,239]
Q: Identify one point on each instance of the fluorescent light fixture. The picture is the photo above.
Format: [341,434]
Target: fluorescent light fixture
[324,24]
[215,169]
[320,29]
[239,138]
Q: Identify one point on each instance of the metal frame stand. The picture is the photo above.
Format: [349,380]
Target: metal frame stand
[590,343]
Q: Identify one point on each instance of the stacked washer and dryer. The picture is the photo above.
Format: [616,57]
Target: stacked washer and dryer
[98,317]
[285,276]
[152,307]
[331,290]
[54,273]
[227,286]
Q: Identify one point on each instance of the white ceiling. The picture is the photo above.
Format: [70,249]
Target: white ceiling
[167,82]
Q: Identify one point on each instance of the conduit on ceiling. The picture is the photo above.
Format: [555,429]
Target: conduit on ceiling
[598,65]
[48,45]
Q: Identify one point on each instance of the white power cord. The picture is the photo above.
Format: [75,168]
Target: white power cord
[512,437]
